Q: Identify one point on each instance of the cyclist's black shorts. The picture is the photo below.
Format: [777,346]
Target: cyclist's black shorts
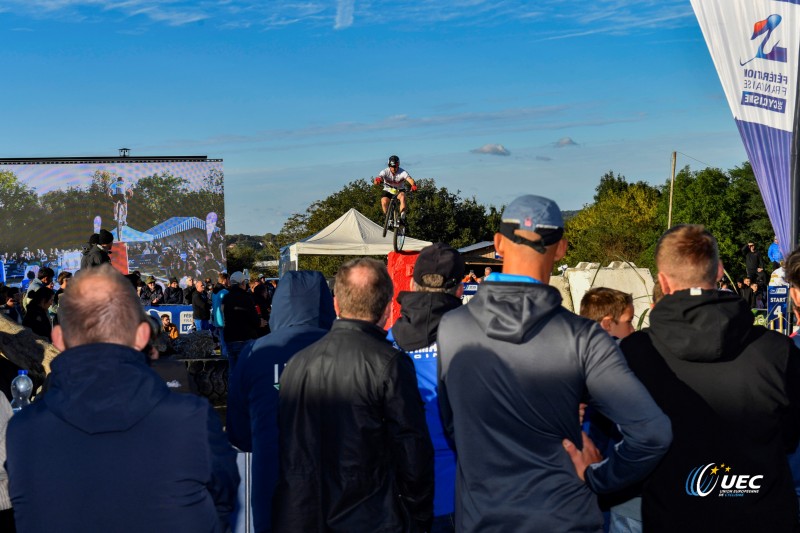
[119,198]
[387,194]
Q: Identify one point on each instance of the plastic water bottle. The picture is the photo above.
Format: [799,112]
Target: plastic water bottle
[21,388]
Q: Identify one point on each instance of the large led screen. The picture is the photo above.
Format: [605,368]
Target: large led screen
[167,215]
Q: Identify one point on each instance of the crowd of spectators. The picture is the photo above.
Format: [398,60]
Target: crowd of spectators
[508,413]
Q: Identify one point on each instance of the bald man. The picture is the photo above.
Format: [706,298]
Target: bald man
[514,367]
[109,447]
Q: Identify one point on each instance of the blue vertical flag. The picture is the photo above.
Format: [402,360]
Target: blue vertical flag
[754,45]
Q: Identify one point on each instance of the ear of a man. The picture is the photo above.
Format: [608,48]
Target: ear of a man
[142,336]
[58,338]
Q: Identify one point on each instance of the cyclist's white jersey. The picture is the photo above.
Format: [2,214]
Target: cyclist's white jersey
[119,187]
[393,181]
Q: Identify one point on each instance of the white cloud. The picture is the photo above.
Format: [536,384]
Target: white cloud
[564,142]
[491,149]
[582,17]
[344,14]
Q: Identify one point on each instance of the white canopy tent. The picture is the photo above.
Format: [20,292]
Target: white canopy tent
[350,234]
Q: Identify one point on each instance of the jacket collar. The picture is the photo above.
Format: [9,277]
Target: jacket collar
[359,325]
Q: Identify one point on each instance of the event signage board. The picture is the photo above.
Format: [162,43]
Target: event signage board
[180,315]
[777,303]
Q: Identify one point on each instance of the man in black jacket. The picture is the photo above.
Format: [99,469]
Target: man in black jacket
[732,391]
[152,293]
[188,291]
[355,453]
[240,316]
[97,252]
[201,307]
[173,295]
[753,263]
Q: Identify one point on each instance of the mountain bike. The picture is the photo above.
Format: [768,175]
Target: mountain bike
[392,220]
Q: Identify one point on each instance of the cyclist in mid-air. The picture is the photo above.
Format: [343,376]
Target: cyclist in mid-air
[394,177]
[120,193]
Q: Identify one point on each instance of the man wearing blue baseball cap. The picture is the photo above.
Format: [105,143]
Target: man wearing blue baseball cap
[515,365]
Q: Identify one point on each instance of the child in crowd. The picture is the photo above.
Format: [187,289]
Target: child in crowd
[613,310]
[610,308]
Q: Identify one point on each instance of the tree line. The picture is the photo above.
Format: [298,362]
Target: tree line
[626,218]
[623,223]
[64,218]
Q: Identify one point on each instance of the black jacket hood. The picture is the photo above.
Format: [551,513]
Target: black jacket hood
[511,311]
[420,314]
[700,325]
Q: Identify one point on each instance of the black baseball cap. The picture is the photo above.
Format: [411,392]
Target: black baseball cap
[443,261]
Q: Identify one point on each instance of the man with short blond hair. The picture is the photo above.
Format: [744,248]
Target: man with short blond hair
[732,391]
[355,454]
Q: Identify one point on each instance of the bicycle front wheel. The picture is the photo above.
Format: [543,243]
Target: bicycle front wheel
[389,217]
[399,236]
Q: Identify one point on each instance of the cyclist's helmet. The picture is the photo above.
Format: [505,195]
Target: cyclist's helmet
[394,161]
[119,178]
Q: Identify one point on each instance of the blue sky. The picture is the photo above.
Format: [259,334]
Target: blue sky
[492,98]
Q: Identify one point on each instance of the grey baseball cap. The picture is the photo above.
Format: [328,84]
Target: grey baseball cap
[532,213]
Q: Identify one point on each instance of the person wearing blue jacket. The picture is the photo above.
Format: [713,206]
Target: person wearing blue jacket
[302,313]
[108,447]
[774,253]
[436,289]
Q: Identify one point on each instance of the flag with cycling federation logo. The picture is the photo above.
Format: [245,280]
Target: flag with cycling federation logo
[754,45]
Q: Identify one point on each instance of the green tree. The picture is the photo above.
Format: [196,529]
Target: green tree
[610,185]
[728,204]
[240,258]
[435,214]
[208,199]
[620,225]
[19,213]
[155,199]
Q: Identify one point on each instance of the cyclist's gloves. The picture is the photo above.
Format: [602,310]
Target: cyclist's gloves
[413,188]
[378,180]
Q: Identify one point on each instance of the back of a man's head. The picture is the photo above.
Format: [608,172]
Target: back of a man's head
[99,305]
[531,236]
[438,268]
[688,255]
[46,273]
[363,289]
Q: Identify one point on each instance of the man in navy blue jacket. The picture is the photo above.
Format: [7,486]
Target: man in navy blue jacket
[109,447]
[302,313]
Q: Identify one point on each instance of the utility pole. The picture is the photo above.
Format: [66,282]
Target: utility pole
[671,187]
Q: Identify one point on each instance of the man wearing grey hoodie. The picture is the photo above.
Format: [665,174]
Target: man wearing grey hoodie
[514,367]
